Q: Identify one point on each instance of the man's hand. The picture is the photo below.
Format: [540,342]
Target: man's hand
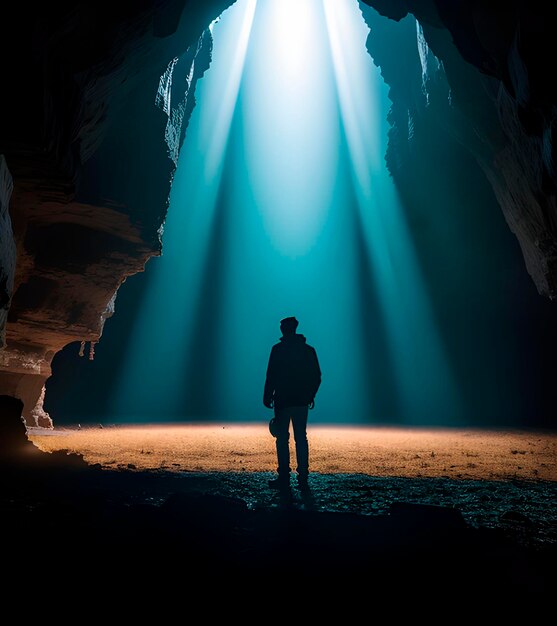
[268,403]
[311,405]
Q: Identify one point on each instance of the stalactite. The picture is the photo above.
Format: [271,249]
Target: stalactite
[82,348]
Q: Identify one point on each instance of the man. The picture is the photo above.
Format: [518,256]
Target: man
[293,378]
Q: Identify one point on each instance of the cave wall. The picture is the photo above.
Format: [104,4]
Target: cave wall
[7,249]
[84,144]
[497,331]
[493,93]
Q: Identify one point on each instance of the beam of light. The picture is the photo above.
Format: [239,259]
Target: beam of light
[422,369]
[290,242]
[291,151]
[235,36]
[281,205]
[152,374]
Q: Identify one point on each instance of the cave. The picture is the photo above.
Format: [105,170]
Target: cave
[444,288]
[469,148]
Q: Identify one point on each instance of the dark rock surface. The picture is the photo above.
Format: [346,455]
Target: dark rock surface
[480,70]
[85,146]
[351,529]
[13,434]
[7,248]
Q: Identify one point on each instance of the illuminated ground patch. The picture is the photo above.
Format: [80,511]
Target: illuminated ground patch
[396,452]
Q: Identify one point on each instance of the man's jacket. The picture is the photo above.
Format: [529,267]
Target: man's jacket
[293,373]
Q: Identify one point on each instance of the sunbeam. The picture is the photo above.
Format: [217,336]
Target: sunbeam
[425,382]
[282,205]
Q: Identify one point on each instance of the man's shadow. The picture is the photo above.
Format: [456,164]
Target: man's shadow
[307,498]
[299,498]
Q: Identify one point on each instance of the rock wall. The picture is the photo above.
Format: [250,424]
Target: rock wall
[493,90]
[7,249]
[85,146]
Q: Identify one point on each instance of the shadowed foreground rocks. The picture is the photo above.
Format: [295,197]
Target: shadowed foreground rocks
[149,523]
[56,509]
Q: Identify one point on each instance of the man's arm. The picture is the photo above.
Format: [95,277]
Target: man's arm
[269,390]
[316,370]
[315,376]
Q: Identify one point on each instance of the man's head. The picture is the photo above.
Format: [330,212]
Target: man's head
[288,325]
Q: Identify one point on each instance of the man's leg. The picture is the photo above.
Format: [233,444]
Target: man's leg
[282,417]
[299,416]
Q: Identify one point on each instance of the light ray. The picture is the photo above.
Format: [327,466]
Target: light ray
[282,205]
[163,326]
[422,367]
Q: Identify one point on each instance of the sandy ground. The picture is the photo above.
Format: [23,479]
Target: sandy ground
[380,452]
[499,482]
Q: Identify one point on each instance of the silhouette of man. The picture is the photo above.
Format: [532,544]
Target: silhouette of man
[293,378]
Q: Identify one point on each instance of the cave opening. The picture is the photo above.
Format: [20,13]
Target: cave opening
[282,204]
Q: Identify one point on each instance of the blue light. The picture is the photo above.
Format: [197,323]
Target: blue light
[282,205]
[422,370]
[289,114]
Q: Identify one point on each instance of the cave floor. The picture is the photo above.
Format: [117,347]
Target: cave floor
[504,480]
[477,532]
[454,535]
[371,451]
